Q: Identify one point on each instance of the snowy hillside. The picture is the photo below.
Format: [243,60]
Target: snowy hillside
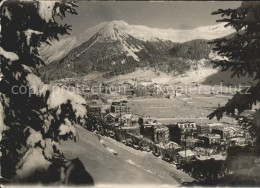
[200,71]
[129,166]
[60,49]
[199,75]
[202,75]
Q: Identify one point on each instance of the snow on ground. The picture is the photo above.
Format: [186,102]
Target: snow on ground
[107,148]
[102,141]
[107,168]
[92,76]
[198,76]
[130,51]
[159,77]
[202,75]
[150,171]
[111,150]
[133,163]
[139,74]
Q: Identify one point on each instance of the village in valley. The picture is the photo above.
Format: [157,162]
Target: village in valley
[173,127]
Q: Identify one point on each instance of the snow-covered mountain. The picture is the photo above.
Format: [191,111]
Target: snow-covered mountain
[115,48]
[60,49]
[176,35]
[111,49]
[112,35]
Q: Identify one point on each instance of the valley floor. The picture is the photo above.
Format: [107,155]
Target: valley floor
[129,166]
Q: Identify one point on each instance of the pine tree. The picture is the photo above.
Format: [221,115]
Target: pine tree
[242,56]
[241,52]
[34,116]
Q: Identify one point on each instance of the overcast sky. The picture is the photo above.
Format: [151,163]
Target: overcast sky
[176,15]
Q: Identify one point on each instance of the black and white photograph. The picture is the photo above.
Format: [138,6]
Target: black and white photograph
[129,93]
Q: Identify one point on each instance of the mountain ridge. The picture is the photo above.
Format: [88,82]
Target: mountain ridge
[60,49]
[111,49]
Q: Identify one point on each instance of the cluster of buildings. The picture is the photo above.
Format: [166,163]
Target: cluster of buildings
[145,87]
[135,87]
[174,142]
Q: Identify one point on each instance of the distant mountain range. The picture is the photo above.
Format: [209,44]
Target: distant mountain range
[118,48]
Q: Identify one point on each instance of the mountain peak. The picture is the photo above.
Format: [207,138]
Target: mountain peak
[118,23]
[113,30]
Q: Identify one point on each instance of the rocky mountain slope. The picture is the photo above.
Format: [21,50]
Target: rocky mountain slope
[59,49]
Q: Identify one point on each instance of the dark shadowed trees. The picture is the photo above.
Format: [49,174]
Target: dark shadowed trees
[34,116]
[242,57]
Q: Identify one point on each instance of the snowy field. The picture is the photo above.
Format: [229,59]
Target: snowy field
[192,107]
[128,166]
[203,75]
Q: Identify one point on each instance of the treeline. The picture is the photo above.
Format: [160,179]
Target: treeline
[195,50]
[108,57]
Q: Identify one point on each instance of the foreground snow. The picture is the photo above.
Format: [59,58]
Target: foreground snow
[129,166]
